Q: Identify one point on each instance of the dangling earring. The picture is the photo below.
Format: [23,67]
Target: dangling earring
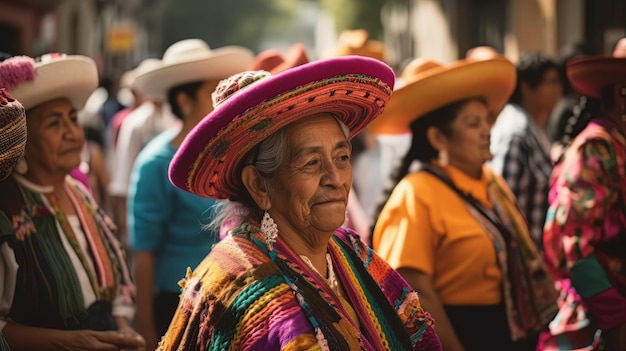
[22,166]
[269,229]
[443,157]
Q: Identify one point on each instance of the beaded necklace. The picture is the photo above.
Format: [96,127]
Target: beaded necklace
[332,278]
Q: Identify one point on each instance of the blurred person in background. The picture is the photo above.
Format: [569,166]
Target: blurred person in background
[374,155]
[287,275]
[144,122]
[166,224]
[519,143]
[66,282]
[571,115]
[451,226]
[584,239]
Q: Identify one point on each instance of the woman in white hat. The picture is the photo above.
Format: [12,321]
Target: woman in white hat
[451,226]
[166,223]
[65,281]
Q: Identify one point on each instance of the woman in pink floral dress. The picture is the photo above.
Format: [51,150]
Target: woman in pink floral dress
[585,235]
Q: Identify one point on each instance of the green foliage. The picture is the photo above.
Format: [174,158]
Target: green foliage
[357,14]
[224,22]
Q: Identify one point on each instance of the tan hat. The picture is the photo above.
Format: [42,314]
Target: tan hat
[429,85]
[146,65]
[192,60]
[357,42]
[73,77]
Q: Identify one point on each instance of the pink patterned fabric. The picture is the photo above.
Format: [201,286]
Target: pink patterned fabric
[585,223]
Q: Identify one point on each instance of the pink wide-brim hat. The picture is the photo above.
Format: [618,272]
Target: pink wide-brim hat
[73,77]
[355,89]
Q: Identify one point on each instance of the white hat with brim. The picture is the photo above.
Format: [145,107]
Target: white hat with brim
[57,76]
[192,60]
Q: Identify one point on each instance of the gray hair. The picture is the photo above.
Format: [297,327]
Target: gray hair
[266,157]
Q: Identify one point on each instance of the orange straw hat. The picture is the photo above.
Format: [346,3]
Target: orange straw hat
[274,61]
[590,74]
[357,42]
[429,85]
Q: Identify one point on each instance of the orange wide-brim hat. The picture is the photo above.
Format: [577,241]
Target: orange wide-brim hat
[588,75]
[428,85]
[357,42]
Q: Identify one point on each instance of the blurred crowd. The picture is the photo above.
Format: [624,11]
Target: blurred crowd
[495,189]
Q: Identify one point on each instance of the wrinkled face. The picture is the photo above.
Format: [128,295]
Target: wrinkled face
[470,142]
[55,139]
[310,190]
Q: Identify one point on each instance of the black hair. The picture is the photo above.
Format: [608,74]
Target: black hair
[189,89]
[607,97]
[421,150]
[531,69]
[568,52]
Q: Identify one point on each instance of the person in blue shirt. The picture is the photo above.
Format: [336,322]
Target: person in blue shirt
[166,225]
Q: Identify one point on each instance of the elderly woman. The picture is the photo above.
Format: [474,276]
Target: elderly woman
[65,280]
[584,240]
[450,225]
[287,276]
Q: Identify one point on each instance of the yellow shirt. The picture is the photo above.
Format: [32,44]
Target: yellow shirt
[426,226]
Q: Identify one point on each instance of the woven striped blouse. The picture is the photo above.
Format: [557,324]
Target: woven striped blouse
[244,297]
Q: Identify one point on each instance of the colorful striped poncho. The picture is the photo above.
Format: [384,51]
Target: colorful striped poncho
[242,297]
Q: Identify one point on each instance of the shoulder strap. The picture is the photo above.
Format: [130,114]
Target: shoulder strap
[484,211]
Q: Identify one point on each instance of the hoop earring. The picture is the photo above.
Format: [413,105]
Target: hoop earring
[443,157]
[269,229]
[22,166]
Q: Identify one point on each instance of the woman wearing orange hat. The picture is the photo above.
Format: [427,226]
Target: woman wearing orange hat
[584,237]
[450,225]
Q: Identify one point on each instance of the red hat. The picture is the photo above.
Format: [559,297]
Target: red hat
[590,74]
[275,61]
[251,106]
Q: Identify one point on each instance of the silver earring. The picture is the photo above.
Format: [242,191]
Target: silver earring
[443,157]
[269,229]
[22,166]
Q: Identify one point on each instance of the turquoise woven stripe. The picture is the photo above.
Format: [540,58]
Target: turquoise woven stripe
[224,332]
